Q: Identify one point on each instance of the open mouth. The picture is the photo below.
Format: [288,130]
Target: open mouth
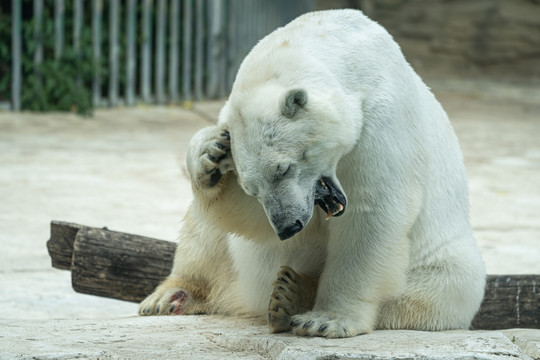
[329,198]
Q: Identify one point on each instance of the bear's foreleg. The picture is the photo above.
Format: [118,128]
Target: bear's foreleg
[202,277]
[366,264]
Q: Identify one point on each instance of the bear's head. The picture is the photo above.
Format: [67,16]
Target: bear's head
[286,145]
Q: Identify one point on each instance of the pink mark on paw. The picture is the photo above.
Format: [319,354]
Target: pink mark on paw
[176,300]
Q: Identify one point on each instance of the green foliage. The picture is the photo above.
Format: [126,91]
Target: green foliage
[55,84]
[63,84]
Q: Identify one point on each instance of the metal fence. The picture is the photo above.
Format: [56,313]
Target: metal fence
[166,51]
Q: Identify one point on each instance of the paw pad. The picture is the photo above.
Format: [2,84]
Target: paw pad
[176,300]
[211,161]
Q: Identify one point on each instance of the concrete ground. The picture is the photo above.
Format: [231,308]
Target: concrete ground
[124,169]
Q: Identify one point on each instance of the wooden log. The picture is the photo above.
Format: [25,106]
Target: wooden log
[510,301]
[110,263]
[60,245]
[120,266]
[129,267]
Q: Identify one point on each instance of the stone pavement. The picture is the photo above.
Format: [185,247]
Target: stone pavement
[124,169]
[212,337]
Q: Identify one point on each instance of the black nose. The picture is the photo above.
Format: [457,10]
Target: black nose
[290,230]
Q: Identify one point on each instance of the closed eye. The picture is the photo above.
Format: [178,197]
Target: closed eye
[281,171]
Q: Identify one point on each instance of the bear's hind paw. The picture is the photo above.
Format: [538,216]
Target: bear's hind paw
[167,302]
[172,300]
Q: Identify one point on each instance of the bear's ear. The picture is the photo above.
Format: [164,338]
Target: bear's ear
[293,100]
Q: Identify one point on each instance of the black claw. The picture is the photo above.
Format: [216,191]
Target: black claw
[277,297]
[226,134]
[269,317]
[171,309]
[281,288]
[283,280]
[157,309]
[221,146]
[222,157]
[287,274]
[308,324]
[322,328]
[294,323]
[212,158]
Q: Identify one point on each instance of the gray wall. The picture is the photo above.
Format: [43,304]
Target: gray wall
[495,37]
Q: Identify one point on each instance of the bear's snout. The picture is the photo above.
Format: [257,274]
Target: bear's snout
[290,230]
[287,210]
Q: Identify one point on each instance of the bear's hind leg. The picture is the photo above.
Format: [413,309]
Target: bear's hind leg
[293,294]
[442,297]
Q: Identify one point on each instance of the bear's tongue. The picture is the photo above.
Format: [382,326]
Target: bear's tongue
[329,198]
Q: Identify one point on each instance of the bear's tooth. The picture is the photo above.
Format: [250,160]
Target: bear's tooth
[329,215]
[339,209]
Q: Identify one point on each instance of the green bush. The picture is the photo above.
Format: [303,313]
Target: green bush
[61,85]
[56,84]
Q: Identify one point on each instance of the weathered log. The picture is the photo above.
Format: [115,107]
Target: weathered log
[60,245]
[129,267]
[117,265]
[110,263]
[510,301]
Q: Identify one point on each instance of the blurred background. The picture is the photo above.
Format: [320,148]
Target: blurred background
[495,38]
[77,55]
[98,100]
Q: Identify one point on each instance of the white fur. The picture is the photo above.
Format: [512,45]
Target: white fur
[403,254]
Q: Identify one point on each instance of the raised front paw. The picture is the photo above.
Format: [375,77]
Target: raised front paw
[168,299]
[293,294]
[327,325]
[209,157]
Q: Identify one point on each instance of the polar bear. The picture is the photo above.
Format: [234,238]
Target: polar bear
[327,121]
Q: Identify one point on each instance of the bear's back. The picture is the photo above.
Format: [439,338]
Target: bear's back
[321,47]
